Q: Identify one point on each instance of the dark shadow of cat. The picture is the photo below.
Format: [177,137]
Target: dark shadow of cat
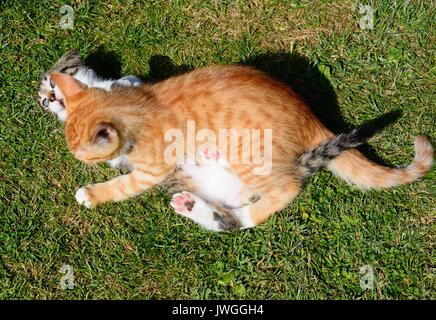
[315,89]
[161,68]
[105,63]
[294,70]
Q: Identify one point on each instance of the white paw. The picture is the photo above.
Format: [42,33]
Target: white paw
[133,80]
[82,197]
[183,203]
[124,82]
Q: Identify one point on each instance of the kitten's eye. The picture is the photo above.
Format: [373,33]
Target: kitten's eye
[52,84]
[45,103]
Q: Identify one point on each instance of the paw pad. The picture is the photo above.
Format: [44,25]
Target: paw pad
[183,202]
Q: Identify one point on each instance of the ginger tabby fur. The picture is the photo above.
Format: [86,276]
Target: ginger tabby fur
[103,125]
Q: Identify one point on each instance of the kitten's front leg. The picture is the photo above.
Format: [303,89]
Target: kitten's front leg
[117,189]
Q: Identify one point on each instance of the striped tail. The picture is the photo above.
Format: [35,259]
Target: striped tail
[320,156]
[339,155]
[355,168]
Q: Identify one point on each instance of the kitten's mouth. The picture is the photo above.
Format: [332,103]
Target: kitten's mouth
[61,102]
[53,98]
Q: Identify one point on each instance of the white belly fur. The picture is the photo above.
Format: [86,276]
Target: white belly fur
[217,183]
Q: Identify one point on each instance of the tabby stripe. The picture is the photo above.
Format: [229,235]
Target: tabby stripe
[146,177]
[64,69]
[153,171]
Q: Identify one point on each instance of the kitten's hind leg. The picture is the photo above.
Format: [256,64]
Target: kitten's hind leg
[275,195]
[209,215]
[244,198]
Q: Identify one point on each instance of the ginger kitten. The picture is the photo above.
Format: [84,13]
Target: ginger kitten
[52,100]
[219,195]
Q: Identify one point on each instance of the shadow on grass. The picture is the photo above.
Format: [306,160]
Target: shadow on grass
[315,89]
[294,70]
[161,68]
[106,63]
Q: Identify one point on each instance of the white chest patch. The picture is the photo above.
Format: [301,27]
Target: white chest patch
[121,162]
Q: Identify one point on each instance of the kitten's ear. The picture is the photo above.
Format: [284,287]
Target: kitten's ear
[67,84]
[105,133]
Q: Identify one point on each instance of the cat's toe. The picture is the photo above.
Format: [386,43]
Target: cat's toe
[82,197]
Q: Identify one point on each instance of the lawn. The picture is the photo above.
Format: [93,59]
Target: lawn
[140,249]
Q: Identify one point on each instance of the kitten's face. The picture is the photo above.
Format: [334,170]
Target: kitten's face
[51,99]
[90,135]
[49,95]
[90,131]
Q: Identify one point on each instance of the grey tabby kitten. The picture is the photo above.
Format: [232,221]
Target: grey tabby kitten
[52,100]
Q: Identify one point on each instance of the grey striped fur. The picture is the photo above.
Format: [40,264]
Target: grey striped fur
[319,157]
[69,63]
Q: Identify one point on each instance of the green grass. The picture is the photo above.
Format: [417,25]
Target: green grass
[140,249]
